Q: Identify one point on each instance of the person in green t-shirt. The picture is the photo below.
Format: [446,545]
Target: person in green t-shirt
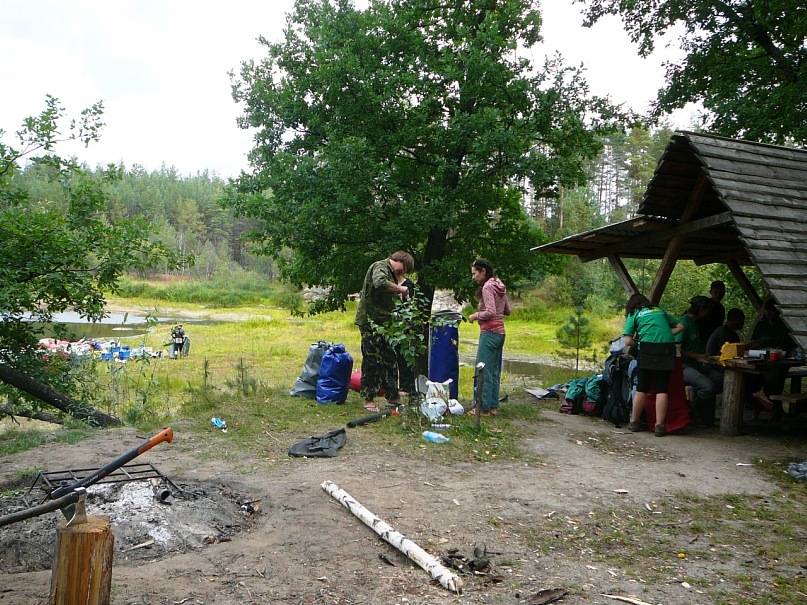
[654,328]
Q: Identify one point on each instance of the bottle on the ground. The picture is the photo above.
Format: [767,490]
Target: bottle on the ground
[435,437]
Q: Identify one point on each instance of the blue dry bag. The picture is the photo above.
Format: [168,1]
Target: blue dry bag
[334,375]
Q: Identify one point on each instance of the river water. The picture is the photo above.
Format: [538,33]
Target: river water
[113,325]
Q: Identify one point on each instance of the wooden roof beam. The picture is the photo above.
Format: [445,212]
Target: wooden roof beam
[745,284]
[623,275]
[716,220]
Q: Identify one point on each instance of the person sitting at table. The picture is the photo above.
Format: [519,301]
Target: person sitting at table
[772,333]
[707,381]
[717,312]
[728,332]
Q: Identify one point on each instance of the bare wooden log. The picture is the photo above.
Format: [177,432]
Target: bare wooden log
[429,563]
[82,563]
[53,397]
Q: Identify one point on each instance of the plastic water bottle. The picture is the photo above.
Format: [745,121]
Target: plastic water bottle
[435,437]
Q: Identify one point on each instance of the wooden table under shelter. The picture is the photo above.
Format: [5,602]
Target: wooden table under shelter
[736,370]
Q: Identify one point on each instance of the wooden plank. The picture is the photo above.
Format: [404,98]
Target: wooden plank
[766,196]
[769,229]
[774,246]
[744,182]
[745,158]
[770,198]
[768,171]
[797,268]
[763,233]
[772,251]
[769,270]
[711,144]
[794,298]
[671,190]
[677,164]
[700,140]
[782,211]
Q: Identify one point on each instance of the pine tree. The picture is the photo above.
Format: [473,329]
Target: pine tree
[575,334]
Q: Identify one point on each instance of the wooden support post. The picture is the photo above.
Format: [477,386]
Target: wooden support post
[623,275]
[676,243]
[82,563]
[479,385]
[732,418]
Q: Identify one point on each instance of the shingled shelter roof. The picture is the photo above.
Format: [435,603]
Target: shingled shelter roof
[719,200]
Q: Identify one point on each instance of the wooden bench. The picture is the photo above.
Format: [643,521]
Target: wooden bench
[795,397]
[789,399]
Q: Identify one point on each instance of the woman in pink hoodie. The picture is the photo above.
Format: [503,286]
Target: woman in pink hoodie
[493,306]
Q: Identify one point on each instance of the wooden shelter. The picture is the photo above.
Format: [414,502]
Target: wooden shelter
[717,200]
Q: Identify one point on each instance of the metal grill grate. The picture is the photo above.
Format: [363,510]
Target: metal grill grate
[47,481]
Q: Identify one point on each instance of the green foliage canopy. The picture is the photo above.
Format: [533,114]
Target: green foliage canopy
[746,61]
[410,125]
[60,254]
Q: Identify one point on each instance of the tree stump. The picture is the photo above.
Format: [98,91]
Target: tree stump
[82,563]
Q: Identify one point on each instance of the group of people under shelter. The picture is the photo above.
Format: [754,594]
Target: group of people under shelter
[701,331]
[383,370]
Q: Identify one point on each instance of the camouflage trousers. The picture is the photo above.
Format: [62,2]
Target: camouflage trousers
[379,367]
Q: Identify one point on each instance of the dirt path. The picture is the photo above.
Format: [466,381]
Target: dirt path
[303,547]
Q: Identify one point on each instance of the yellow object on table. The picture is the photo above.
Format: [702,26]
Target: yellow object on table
[730,350]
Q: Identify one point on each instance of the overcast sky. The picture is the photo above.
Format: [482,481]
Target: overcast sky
[161,69]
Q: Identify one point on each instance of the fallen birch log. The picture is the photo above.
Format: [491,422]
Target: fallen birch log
[426,561]
[624,599]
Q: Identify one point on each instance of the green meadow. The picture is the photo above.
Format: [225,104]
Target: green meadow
[246,356]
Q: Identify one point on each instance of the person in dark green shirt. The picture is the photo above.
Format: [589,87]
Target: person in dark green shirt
[707,381]
[381,288]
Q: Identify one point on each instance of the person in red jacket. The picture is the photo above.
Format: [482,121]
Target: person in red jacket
[493,306]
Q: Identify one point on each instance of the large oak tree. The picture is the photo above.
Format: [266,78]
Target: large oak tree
[413,124]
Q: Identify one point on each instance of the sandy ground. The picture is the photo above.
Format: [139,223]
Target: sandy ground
[304,547]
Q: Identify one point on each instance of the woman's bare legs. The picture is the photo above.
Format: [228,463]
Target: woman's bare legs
[638,405]
[661,407]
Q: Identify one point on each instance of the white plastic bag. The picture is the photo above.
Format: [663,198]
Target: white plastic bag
[436,403]
[437,390]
